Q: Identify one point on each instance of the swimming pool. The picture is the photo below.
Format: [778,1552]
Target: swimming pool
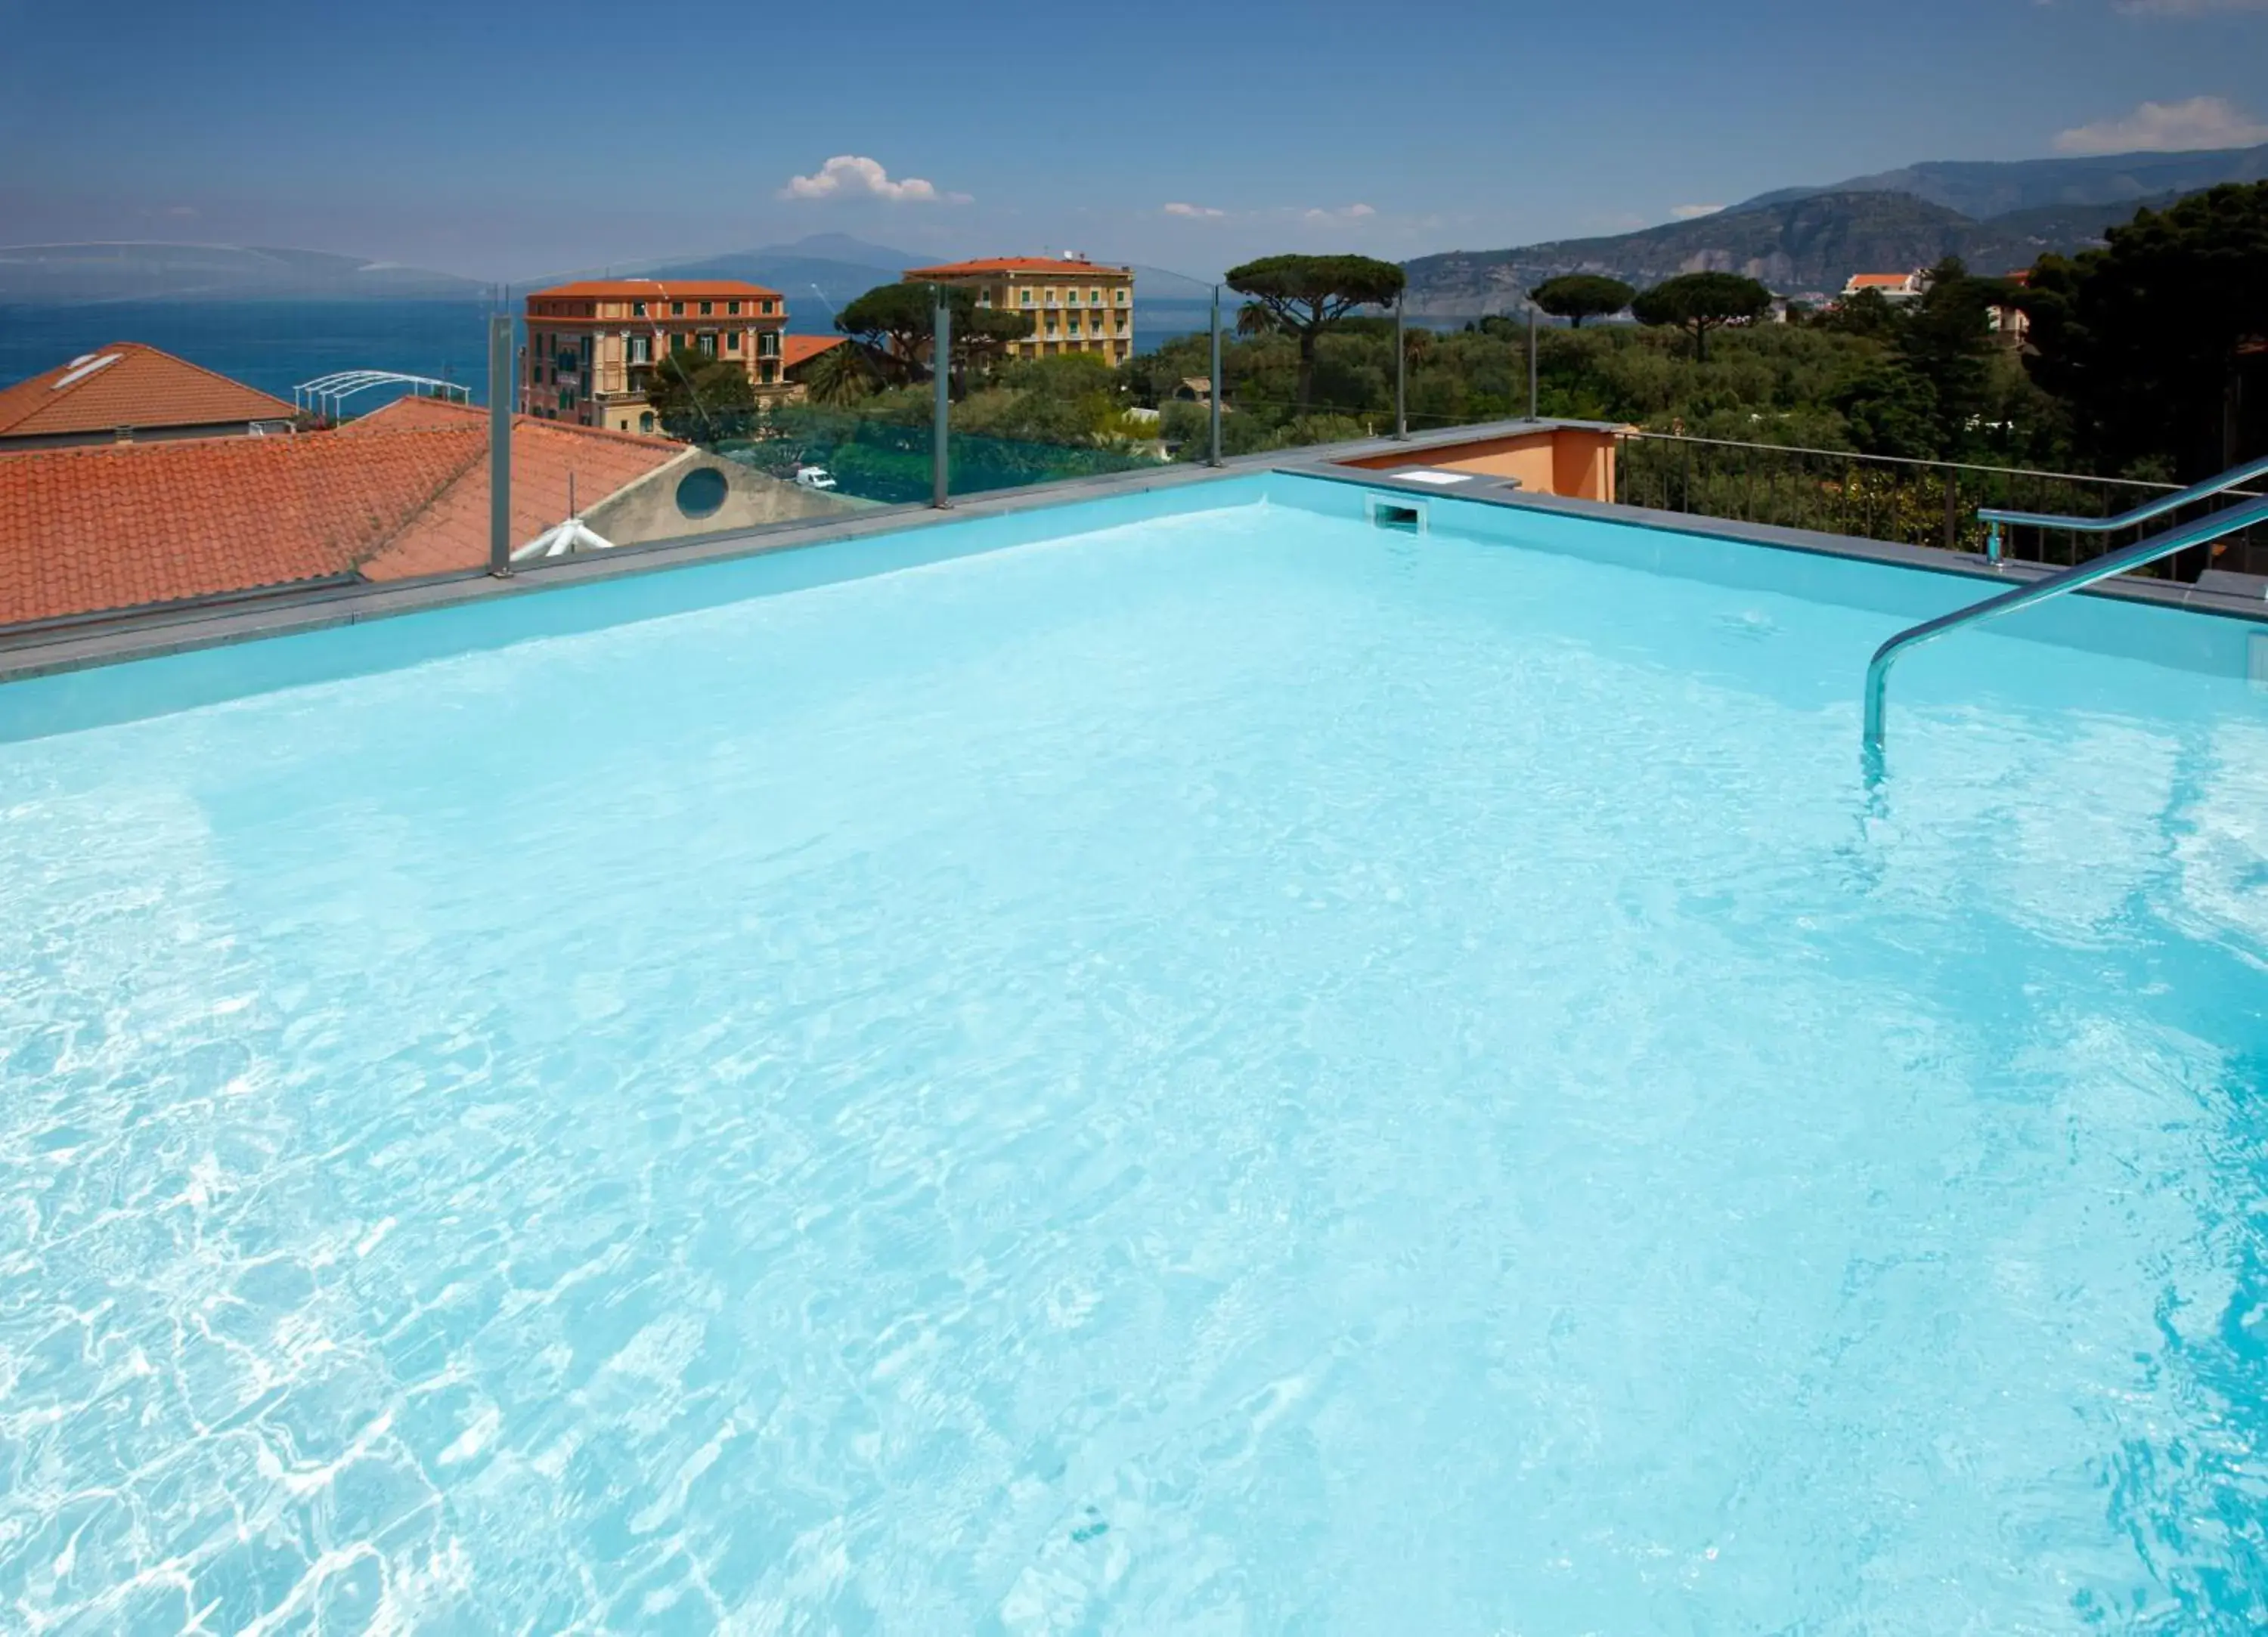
[1186,1064]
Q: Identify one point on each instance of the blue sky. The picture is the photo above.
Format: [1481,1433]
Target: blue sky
[503,139]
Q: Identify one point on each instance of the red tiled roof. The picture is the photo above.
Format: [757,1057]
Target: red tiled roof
[400,493]
[451,531]
[117,525]
[656,290]
[127,384]
[1876,281]
[1017,264]
[795,350]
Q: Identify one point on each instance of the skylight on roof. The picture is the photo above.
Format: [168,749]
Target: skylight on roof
[83,367]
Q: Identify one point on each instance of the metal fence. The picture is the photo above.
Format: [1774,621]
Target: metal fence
[1915,503]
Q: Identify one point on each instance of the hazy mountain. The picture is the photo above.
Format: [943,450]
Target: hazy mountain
[1803,245]
[1982,190]
[842,248]
[1807,244]
[68,274]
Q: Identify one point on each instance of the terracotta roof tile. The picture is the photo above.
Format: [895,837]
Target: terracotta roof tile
[397,494]
[127,384]
[119,526]
[451,531]
[1018,264]
[656,290]
[795,350]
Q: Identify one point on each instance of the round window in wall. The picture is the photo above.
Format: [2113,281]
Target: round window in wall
[701,492]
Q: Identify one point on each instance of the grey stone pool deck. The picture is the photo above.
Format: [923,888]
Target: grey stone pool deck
[111,638]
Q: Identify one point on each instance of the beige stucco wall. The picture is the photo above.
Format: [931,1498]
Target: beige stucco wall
[647,510]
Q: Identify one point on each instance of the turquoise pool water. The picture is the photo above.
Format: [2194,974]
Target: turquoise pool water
[1228,1071]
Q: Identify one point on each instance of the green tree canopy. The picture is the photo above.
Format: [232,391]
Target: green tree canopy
[2146,340]
[1697,303]
[893,320]
[842,374]
[1867,313]
[897,321]
[1578,295]
[1889,410]
[1305,296]
[701,399]
[1946,340]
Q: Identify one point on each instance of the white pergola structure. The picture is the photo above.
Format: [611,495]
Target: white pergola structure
[327,394]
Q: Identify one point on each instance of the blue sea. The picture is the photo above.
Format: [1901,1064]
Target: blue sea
[274,345]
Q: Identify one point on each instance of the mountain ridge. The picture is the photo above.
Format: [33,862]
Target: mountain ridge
[1984,188]
[1809,246]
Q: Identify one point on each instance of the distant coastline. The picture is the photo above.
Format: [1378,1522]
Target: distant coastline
[276,344]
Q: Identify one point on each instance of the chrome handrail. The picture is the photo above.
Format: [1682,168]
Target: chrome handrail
[2149,510]
[2201,532]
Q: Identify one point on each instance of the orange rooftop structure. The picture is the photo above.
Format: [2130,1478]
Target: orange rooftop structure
[128,392]
[593,344]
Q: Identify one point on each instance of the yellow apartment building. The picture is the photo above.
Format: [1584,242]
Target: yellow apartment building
[1077,306]
[590,343]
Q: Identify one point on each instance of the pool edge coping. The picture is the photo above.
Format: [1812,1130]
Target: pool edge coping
[2008,574]
[177,629]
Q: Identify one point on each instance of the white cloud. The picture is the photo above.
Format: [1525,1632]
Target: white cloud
[1693,213]
[1350,213]
[1202,211]
[2168,128]
[855,176]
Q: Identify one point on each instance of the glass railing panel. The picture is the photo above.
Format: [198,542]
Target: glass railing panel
[1075,394]
[1913,502]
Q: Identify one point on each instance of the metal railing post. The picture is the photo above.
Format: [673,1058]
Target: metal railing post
[941,354]
[1214,393]
[1401,370]
[2203,531]
[1534,399]
[501,393]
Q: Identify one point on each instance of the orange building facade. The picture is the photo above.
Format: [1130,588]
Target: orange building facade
[590,343]
[1076,305]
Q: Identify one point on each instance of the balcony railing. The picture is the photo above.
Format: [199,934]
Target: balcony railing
[1914,502]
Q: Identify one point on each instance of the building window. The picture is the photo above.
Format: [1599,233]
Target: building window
[770,373]
[705,309]
[731,341]
[1093,297]
[768,309]
[768,343]
[1070,298]
[1026,296]
[676,309]
[1051,296]
[1051,324]
[1074,324]
[732,309]
[1122,295]
[641,348]
[706,342]
[638,309]
[645,422]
